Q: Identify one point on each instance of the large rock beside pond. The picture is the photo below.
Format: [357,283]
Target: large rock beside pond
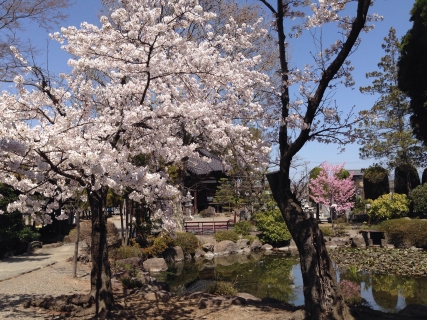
[208,247]
[199,253]
[358,241]
[267,247]
[226,247]
[155,265]
[256,245]
[242,243]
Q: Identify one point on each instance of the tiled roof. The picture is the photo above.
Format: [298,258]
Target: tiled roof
[201,166]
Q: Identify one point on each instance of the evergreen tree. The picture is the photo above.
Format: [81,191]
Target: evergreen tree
[375,182]
[406,178]
[388,133]
[413,68]
[226,194]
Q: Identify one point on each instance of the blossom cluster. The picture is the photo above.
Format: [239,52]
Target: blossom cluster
[138,86]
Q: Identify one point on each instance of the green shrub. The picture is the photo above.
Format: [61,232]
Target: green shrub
[187,241]
[327,231]
[272,226]
[419,199]
[14,235]
[126,252]
[243,228]
[226,235]
[251,238]
[389,206]
[405,232]
[160,244]
[222,288]
[131,283]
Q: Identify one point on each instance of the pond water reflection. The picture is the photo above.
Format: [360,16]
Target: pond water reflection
[279,277]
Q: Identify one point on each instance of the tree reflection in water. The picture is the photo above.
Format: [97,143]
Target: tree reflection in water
[274,276]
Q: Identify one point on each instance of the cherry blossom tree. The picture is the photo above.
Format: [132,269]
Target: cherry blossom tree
[137,85]
[329,189]
[306,112]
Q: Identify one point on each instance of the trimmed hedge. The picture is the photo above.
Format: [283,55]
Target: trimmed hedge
[406,232]
[187,241]
[226,235]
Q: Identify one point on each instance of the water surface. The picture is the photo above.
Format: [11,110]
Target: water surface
[279,277]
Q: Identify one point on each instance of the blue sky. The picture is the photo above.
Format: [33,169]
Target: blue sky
[396,14]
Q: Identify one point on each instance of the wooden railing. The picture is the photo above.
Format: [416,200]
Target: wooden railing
[205,227]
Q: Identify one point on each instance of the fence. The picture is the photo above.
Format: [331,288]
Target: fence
[207,227]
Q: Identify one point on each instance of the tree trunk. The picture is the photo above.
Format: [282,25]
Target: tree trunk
[76,246]
[100,277]
[122,233]
[323,299]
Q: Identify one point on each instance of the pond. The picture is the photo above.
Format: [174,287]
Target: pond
[279,277]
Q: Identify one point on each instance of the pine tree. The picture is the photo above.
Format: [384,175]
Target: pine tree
[388,133]
[226,194]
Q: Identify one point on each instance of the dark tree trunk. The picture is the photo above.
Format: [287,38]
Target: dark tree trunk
[100,277]
[323,299]
[122,233]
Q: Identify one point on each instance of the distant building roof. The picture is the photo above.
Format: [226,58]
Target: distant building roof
[356,172]
[201,166]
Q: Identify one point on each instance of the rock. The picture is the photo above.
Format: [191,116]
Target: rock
[341,242]
[209,255]
[188,257]
[256,245]
[242,243]
[174,254]
[331,245]
[134,261]
[155,265]
[267,247]
[283,249]
[246,250]
[238,301]
[159,295]
[225,247]
[358,241]
[208,247]
[248,296]
[199,253]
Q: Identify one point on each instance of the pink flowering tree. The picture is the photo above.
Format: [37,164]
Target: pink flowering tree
[329,189]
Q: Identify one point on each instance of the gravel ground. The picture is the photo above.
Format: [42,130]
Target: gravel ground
[53,280]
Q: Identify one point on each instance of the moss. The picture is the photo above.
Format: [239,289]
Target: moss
[226,235]
[222,288]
